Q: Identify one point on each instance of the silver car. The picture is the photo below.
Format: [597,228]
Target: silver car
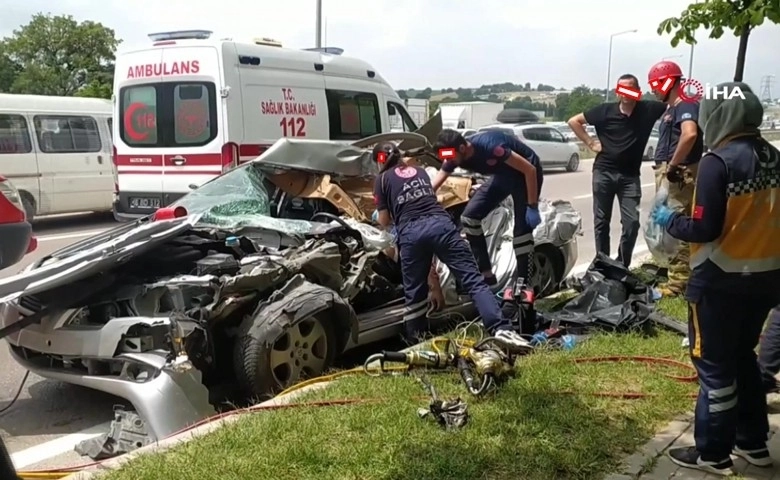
[246,285]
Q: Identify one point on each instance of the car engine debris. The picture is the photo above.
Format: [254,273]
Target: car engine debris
[127,433]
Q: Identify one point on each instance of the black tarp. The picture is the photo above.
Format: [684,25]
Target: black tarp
[610,298]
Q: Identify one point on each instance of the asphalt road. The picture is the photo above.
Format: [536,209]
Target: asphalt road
[42,427]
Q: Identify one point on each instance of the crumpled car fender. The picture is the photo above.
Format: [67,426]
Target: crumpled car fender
[295,301]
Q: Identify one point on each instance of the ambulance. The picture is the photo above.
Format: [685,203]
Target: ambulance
[189,107]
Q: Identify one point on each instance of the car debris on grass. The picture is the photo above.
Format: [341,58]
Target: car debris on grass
[566,414]
[557,419]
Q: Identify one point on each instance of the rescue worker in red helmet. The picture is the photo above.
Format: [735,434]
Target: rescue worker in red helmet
[404,197]
[734,233]
[680,147]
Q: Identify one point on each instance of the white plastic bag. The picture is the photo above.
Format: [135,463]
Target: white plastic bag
[661,245]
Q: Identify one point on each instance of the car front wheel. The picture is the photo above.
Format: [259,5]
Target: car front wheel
[265,366]
[547,271]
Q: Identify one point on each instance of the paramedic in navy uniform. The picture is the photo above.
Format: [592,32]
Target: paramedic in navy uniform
[404,198]
[516,171]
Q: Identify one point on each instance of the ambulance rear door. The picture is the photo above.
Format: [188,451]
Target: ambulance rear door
[192,81]
[139,159]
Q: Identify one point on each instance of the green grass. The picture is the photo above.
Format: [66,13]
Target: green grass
[548,422]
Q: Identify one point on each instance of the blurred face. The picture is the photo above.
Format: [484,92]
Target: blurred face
[658,94]
[627,82]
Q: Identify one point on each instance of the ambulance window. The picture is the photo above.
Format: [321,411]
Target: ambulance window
[138,108]
[352,115]
[194,118]
[399,118]
[14,136]
[168,114]
[67,134]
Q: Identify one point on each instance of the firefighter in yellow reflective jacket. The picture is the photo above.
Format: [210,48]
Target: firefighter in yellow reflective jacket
[734,233]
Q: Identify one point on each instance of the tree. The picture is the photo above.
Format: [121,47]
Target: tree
[425,94]
[9,70]
[580,99]
[56,55]
[717,16]
[527,87]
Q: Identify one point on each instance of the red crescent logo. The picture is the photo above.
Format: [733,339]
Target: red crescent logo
[128,119]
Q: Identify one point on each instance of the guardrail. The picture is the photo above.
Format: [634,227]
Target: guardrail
[585,152]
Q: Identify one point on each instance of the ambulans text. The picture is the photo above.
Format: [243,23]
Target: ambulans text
[188,67]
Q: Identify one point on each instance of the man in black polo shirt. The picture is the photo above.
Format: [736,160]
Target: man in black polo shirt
[623,129]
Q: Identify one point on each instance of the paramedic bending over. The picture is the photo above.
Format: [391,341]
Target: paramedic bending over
[516,171]
[404,197]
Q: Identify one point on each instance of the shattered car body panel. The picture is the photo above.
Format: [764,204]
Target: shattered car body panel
[177,315]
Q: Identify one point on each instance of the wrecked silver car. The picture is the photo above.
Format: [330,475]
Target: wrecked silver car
[250,282]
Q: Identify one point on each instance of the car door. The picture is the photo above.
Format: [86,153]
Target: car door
[538,138]
[70,149]
[560,146]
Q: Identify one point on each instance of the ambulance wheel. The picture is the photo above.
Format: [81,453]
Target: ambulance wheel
[548,268]
[303,349]
[29,206]
[574,163]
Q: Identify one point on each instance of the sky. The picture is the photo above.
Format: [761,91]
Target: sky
[447,43]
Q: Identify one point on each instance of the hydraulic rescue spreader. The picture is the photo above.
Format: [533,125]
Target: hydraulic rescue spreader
[481,365]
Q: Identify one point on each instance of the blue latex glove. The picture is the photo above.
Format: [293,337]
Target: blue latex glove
[375,216]
[532,217]
[661,215]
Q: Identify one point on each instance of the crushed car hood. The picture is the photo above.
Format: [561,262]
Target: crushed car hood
[119,245]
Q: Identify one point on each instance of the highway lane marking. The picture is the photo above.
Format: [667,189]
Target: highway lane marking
[67,236]
[58,446]
[590,195]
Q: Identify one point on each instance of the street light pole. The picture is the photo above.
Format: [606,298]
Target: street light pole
[690,62]
[609,61]
[318,28]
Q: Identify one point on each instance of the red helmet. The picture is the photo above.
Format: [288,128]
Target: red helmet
[663,70]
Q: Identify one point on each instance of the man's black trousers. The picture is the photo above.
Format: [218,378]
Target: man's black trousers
[628,189]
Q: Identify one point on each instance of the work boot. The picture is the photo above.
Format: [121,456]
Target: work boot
[758,457]
[512,341]
[689,457]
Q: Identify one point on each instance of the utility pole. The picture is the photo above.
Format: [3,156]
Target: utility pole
[766,88]
[318,29]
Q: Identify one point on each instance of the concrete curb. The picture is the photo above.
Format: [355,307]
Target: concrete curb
[642,461]
[168,443]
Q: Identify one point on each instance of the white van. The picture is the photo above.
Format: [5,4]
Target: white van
[190,108]
[56,150]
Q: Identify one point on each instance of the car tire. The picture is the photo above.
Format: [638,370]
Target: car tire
[29,206]
[264,366]
[548,262]
[574,163]
[650,153]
